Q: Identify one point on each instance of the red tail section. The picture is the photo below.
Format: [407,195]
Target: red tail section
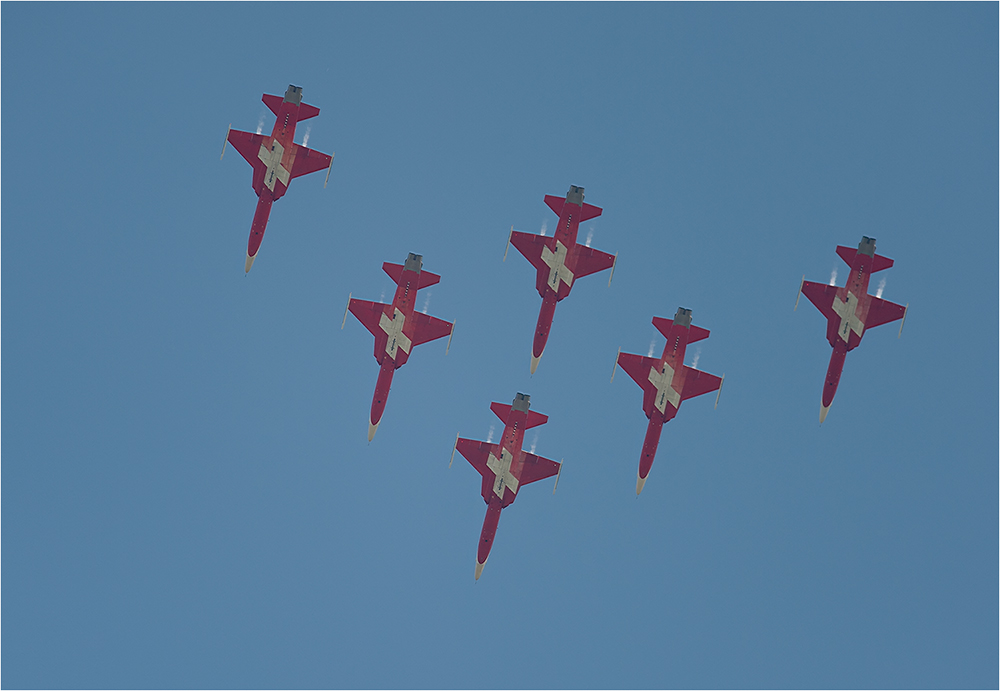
[307,111]
[879,262]
[273,103]
[664,326]
[558,203]
[395,272]
[502,411]
[555,203]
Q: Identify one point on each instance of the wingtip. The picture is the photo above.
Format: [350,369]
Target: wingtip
[479,569]
[639,483]
[249,263]
[534,363]
[823,410]
[372,429]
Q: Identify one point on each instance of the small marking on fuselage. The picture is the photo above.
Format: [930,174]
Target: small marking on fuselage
[556,262]
[848,317]
[501,470]
[272,159]
[664,391]
[394,330]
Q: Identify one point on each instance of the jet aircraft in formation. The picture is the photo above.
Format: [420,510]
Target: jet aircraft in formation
[397,328]
[559,259]
[276,159]
[505,467]
[850,310]
[666,381]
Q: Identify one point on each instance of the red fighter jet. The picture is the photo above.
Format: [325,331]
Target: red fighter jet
[505,467]
[559,259]
[397,328]
[276,159]
[850,310]
[666,381]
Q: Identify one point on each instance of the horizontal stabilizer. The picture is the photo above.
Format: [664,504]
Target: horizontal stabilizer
[663,325]
[555,203]
[697,334]
[307,111]
[879,262]
[502,411]
[273,103]
[590,211]
[558,203]
[395,272]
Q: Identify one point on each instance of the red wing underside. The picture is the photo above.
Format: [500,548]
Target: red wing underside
[697,383]
[427,328]
[637,367]
[248,145]
[536,468]
[821,295]
[530,245]
[590,261]
[309,161]
[369,314]
[477,453]
[882,312]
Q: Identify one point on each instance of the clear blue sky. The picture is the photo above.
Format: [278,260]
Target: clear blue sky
[188,496]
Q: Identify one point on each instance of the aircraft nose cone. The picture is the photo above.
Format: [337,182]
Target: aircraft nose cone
[372,429]
[534,363]
[639,482]
[249,263]
[823,410]
[479,569]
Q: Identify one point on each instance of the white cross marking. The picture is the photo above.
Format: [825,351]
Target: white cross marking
[501,469]
[272,159]
[848,318]
[664,391]
[557,266]
[394,330]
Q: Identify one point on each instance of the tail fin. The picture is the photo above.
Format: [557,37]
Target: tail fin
[395,272]
[273,102]
[502,411]
[879,262]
